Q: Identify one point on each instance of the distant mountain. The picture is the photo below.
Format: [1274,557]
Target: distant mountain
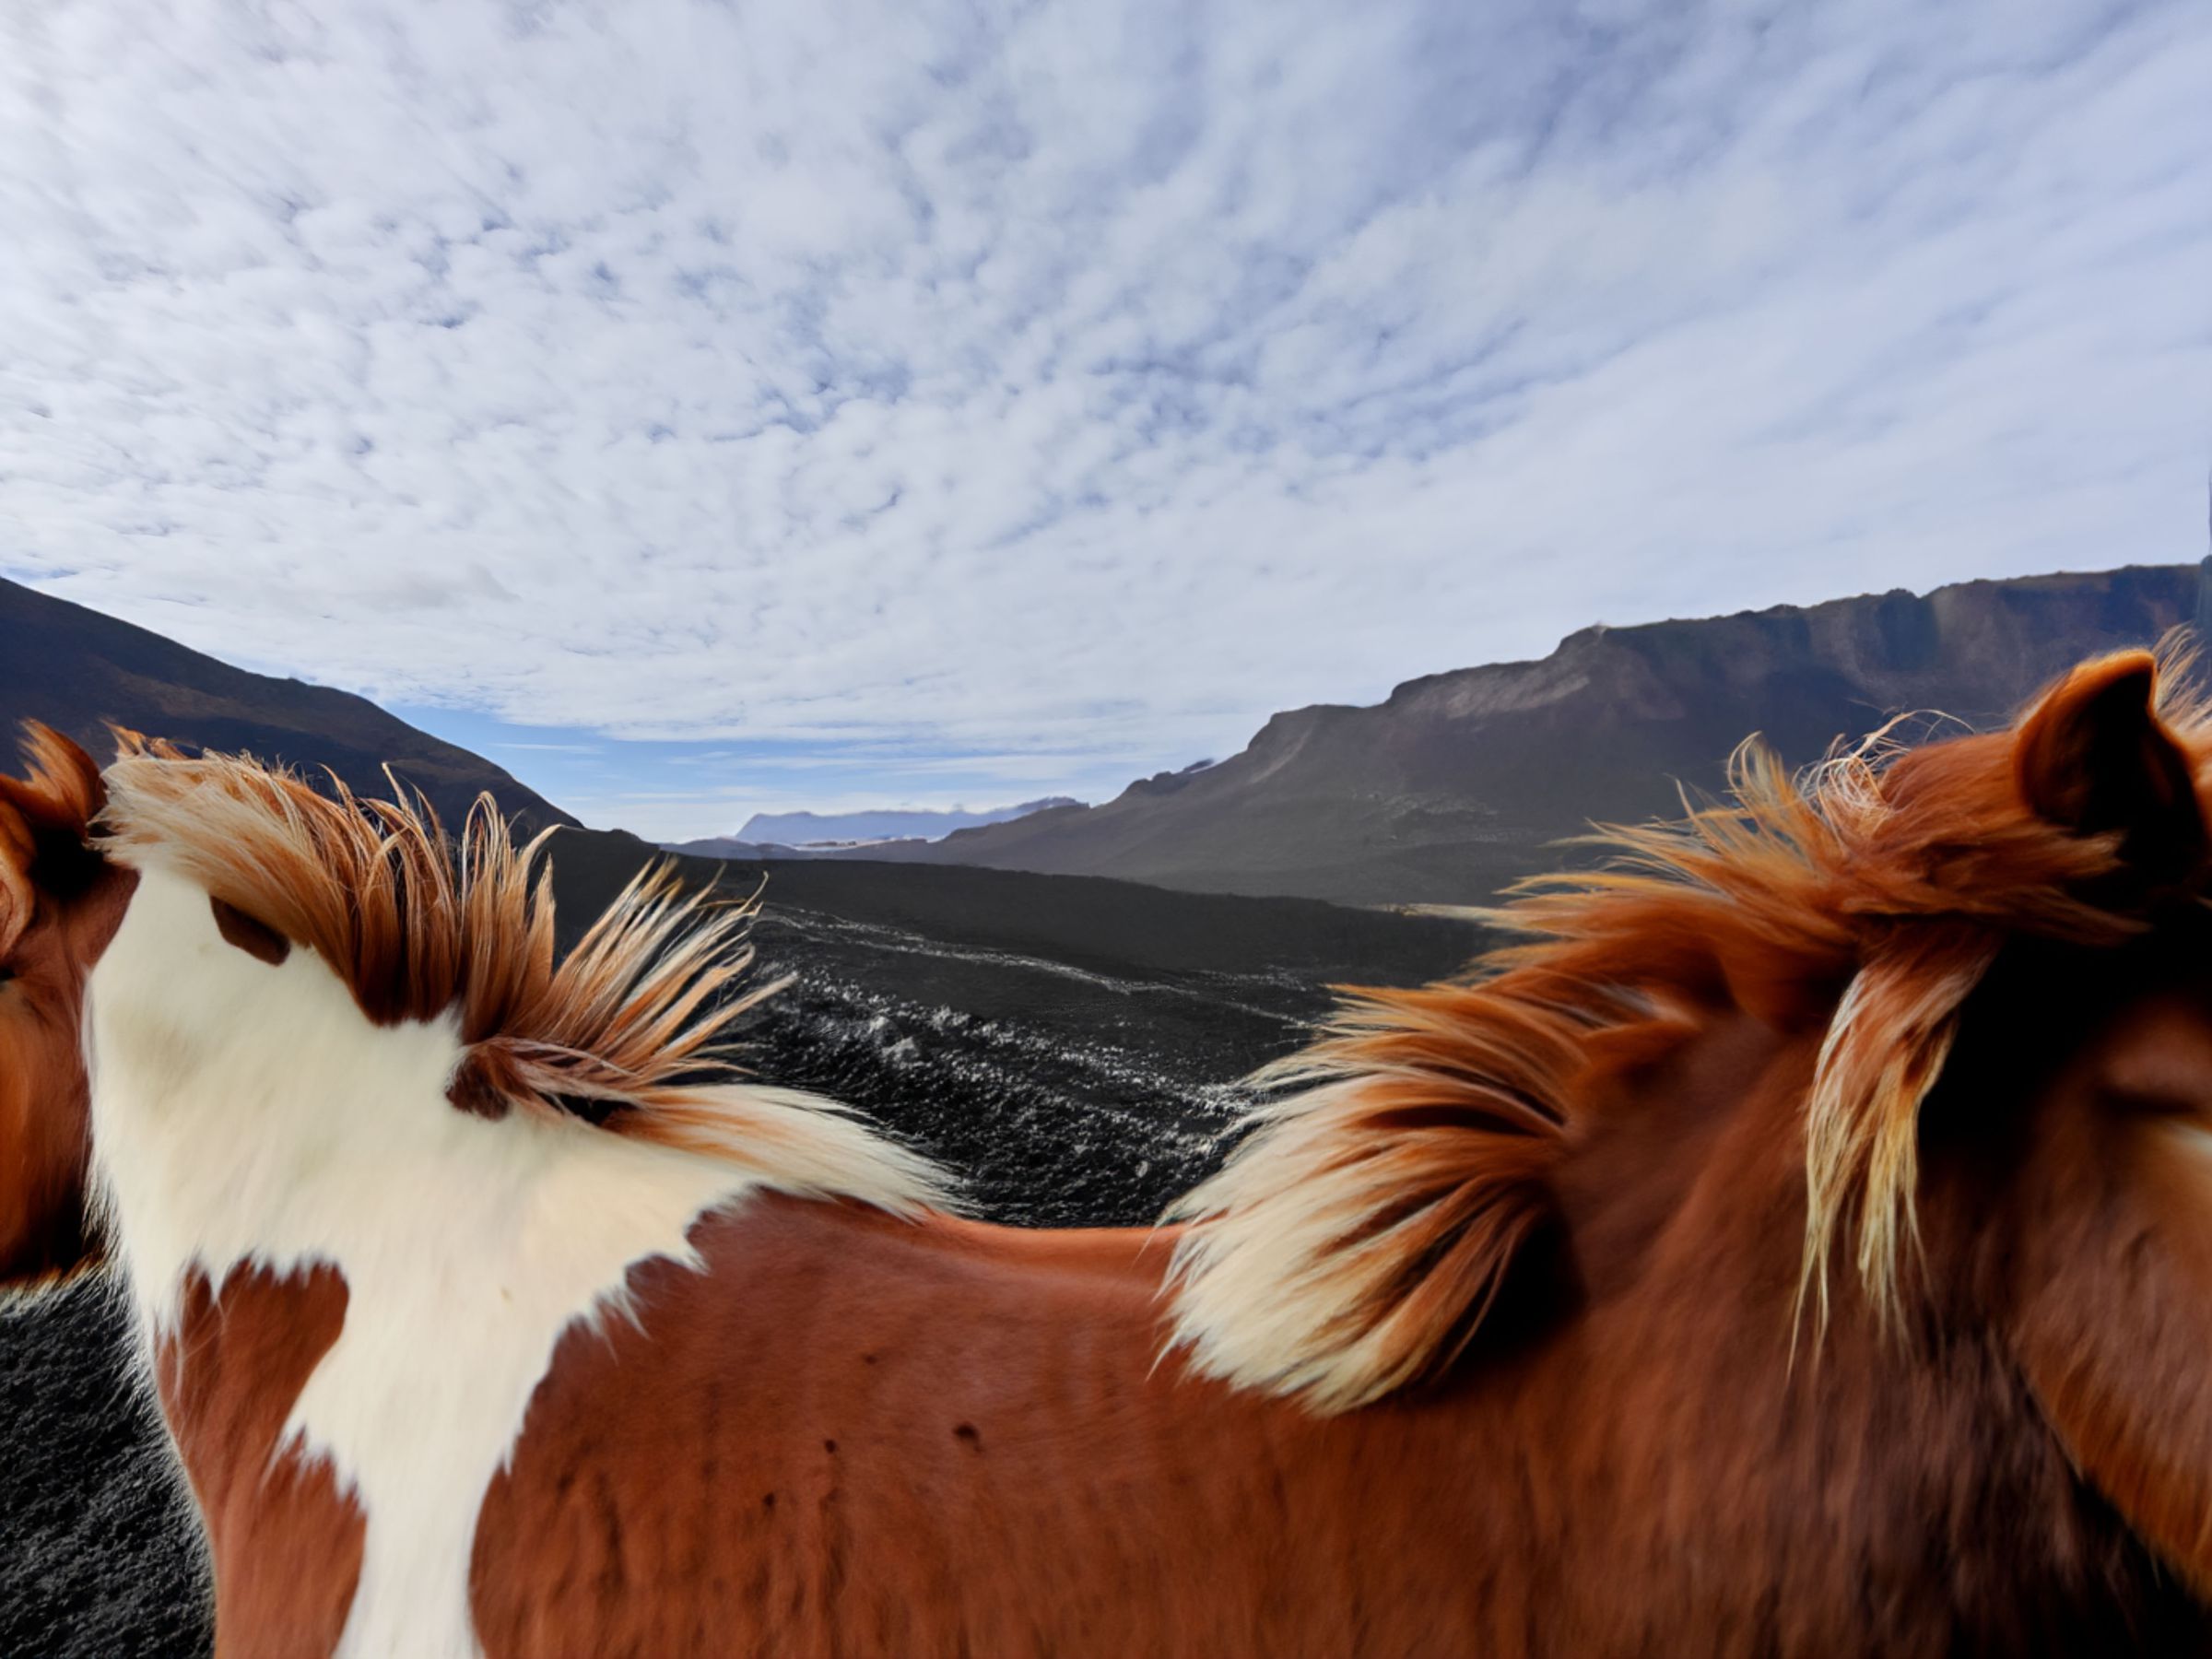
[805,829]
[75,668]
[1462,782]
[728,847]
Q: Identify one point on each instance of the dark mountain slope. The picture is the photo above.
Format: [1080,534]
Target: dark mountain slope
[75,668]
[1461,780]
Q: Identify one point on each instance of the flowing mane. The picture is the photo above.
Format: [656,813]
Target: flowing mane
[630,1031]
[1358,1236]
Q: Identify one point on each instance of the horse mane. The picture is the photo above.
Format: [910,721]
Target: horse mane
[1360,1232]
[45,817]
[629,1033]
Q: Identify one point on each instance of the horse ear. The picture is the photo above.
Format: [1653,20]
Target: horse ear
[60,794]
[2094,758]
[62,788]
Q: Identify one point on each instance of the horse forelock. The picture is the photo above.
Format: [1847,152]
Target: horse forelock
[1358,1234]
[60,788]
[632,1030]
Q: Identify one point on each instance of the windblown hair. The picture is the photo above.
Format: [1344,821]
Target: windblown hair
[1355,1239]
[45,817]
[630,1031]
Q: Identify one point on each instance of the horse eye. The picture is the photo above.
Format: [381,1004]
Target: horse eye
[7,973]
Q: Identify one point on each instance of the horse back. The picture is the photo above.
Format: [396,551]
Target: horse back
[854,1434]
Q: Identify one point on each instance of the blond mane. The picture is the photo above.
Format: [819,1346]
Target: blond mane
[630,1031]
[1355,1239]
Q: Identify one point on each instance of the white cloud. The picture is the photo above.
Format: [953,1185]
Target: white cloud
[1085,381]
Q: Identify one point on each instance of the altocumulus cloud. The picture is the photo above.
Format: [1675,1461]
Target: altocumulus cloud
[1069,385]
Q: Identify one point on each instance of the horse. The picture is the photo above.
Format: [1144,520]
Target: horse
[1800,1243]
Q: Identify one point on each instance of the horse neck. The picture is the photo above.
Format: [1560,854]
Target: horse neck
[266,1153]
[45,1094]
[1844,1470]
[245,1112]
[42,1123]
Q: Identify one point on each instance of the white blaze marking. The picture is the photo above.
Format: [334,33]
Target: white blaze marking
[249,1114]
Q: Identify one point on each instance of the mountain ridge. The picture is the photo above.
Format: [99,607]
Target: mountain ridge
[805,830]
[1461,780]
[76,669]
[1451,786]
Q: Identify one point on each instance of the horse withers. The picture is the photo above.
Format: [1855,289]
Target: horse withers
[1802,1245]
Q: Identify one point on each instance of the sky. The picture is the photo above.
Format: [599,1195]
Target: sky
[705,408]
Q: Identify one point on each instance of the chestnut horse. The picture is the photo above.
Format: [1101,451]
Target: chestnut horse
[1803,1246]
[58,905]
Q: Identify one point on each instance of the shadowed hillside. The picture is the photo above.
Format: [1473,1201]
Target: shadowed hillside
[1461,781]
[75,668]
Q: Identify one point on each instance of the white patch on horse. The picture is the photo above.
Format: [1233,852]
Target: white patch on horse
[249,1114]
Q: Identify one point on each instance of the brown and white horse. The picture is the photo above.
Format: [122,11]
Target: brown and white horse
[1802,1247]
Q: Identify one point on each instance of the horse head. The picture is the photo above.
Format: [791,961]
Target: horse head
[59,904]
[2070,1145]
[1901,1069]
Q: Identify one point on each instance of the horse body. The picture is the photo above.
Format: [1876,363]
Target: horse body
[480,1326]
[938,1439]
[866,1436]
